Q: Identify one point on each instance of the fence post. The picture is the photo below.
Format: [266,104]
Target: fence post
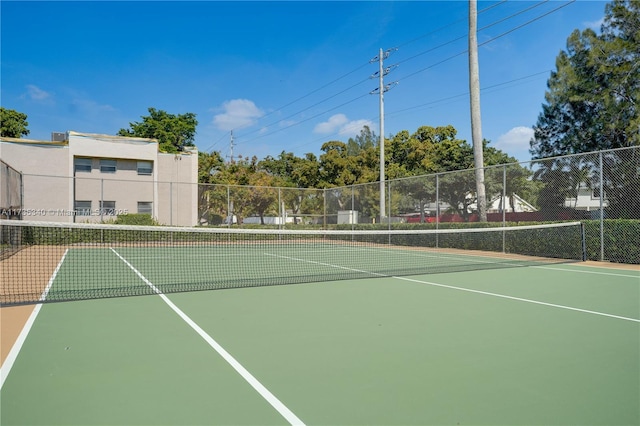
[504,195]
[22,195]
[437,209]
[101,203]
[353,206]
[389,205]
[280,210]
[230,213]
[601,207]
[5,171]
[324,208]
[504,205]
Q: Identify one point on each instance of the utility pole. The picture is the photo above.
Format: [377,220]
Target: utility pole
[476,122]
[380,90]
[231,147]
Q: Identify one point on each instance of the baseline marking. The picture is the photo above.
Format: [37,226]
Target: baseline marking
[17,346]
[486,293]
[263,391]
[613,274]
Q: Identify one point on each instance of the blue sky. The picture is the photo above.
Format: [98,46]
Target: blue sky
[284,76]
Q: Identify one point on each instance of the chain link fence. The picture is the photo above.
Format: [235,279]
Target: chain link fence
[601,189]
[10,192]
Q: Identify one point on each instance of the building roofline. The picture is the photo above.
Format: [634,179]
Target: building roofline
[193,151]
[112,137]
[33,141]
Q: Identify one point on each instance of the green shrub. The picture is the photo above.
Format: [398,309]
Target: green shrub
[621,242]
[141,219]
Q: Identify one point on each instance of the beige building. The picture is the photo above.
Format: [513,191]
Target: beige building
[80,177]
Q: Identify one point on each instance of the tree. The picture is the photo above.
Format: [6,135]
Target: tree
[367,139]
[263,194]
[13,124]
[621,178]
[592,104]
[297,173]
[592,98]
[294,171]
[348,172]
[173,132]
[212,204]
[208,166]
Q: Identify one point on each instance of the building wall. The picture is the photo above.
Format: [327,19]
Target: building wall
[586,200]
[53,184]
[46,195]
[121,189]
[124,187]
[177,187]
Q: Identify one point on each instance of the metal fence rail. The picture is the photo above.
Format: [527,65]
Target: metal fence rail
[601,189]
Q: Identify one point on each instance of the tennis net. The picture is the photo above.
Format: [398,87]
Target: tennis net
[43,262]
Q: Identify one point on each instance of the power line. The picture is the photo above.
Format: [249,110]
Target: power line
[412,74]
[432,103]
[310,118]
[490,40]
[449,25]
[465,94]
[527,23]
[317,90]
[352,72]
[307,108]
[358,69]
[210,148]
[479,30]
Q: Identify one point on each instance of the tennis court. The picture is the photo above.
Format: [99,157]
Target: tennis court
[370,331]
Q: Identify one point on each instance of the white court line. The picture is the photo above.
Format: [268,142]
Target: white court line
[486,293]
[263,391]
[504,296]
[500,261]
[587,272]
[190,256]
[17,346]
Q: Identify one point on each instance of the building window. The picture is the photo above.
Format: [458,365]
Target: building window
[108,166]
[83,208]
[82,164]
[145,167]
[108,207]
[145,207]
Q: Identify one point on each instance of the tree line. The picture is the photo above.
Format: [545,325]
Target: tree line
[426,151]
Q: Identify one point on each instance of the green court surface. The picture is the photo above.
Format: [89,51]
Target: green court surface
[530,345]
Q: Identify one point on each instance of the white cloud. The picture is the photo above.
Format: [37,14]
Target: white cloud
[353,128]
[332,125]
[37,94]
[594,25]
[89,106]
[238,113]
[340,124]
[287,123]
[518,137]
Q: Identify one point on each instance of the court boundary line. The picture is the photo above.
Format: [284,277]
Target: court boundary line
[520,299]
[589,272]
[244,373]
[469,290]
[5,369]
